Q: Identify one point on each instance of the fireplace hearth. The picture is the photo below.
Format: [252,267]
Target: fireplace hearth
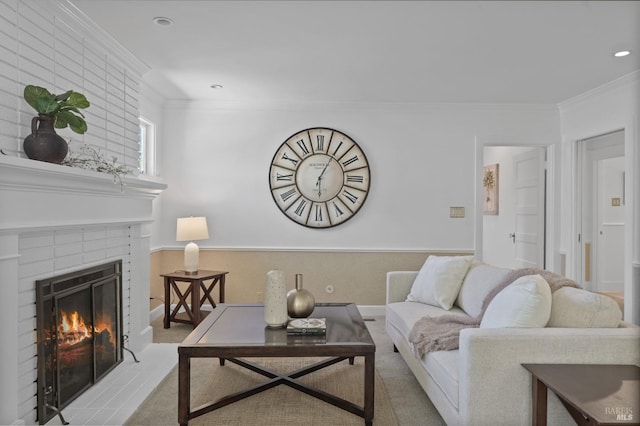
[79,329]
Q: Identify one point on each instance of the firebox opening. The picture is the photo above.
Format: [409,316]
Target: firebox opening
[79,328]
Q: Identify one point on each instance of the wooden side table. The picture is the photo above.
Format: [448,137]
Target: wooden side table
[196,283]
[594,394]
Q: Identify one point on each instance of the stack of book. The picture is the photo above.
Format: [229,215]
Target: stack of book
[313,326]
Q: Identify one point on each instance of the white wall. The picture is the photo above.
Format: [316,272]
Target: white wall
[611,107]
[422,157]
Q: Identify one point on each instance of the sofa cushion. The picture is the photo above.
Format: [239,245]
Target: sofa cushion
[443,367]
[524,303]
[479,281]
[578,308]
[439,280]
[403,315]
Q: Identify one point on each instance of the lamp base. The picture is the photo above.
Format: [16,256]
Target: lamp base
[191,258]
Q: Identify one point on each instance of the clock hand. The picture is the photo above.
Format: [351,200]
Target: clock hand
[323,170]
[320,177]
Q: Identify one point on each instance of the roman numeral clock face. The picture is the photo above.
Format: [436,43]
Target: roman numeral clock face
[319,177]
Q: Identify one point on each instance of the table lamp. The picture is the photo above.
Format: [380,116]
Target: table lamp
[191,229]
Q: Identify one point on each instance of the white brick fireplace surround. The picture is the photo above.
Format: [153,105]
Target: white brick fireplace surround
[53,220]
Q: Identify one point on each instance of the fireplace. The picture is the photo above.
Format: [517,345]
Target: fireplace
[79,329]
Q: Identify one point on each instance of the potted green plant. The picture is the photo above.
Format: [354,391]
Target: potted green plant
[54,111]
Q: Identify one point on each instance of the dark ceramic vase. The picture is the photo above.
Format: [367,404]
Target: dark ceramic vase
[44,144]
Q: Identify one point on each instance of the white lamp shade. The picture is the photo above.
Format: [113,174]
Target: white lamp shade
[192,229]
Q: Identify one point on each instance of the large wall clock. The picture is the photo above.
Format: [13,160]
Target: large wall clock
[319,177]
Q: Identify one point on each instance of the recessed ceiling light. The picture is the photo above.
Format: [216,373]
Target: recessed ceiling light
[622,53]
[216,86]
[165,22]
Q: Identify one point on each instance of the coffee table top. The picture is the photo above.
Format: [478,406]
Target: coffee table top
[242,326]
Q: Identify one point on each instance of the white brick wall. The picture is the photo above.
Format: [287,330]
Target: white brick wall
[42,44]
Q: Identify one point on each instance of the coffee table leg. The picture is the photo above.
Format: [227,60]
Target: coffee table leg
[538,402]
[184,389]
[369,384]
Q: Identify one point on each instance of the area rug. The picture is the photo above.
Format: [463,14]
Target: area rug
[279,406]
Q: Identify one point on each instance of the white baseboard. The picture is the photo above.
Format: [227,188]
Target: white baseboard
[156,312]
[371,310]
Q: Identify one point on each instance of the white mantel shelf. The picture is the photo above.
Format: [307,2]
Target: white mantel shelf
[37,194]
[28,174]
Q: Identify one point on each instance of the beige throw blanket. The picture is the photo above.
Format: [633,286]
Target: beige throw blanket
[442,333]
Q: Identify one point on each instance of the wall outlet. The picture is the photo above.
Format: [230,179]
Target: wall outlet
[260,297]
[456,212]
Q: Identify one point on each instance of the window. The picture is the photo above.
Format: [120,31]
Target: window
[147,148]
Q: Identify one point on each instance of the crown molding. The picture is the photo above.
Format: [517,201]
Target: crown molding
[213,105]
[622,83]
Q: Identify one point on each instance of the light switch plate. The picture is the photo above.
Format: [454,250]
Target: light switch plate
[456,212]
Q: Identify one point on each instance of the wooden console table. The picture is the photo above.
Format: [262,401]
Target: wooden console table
[196,283]
[594,394]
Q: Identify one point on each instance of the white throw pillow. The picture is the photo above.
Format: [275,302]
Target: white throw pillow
[481,279]
[526,302]
[439,280]
[578,308]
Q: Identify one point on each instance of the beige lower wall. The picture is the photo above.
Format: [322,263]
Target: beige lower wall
[358,277]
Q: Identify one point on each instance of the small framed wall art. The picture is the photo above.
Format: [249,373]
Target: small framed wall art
[490,181]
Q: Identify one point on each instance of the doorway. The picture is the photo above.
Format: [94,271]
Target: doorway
[601,215]
[515,234]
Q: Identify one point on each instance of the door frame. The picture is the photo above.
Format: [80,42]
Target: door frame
[585,155]
[551,211]
[632,213]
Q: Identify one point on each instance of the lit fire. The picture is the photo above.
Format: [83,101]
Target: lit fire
[72,329]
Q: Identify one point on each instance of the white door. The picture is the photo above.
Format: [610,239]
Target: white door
[609,261]
[529,234]
[601,225]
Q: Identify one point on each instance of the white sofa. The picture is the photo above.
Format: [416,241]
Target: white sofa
[483,382]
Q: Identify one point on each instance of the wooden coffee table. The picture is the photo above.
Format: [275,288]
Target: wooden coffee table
[232,332]
[594,394]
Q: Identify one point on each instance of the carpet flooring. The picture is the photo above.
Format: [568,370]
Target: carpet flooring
[399,398]
[281,405]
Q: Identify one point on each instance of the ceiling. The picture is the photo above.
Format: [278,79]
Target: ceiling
[525,52]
